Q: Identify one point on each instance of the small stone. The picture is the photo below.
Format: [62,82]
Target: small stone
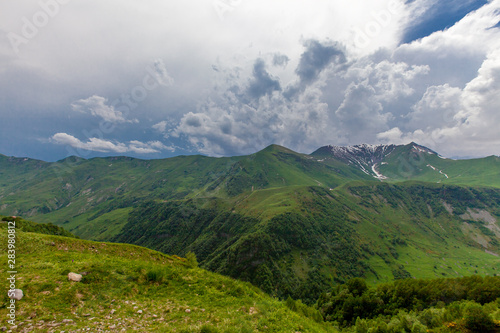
[112,327]
[17,294]
[74,277]
[139,312]
[188,310]
[67,320]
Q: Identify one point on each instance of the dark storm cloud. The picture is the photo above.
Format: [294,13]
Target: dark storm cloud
[313,61]
[262,82]
[316,57]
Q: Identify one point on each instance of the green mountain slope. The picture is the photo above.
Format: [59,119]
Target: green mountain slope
[99,193]
[129,288]
[319,237]
[41,228]
[290,223]
[414,162]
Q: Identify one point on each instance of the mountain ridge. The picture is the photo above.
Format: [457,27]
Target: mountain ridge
[269,147]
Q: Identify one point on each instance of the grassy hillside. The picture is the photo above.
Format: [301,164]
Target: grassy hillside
[99,192]
[410,162]
[299,241]
[129,288]
[41,228]
[93,198]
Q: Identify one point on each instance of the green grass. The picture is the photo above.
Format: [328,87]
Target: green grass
[122,279]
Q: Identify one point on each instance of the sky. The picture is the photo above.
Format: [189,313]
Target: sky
[161,78]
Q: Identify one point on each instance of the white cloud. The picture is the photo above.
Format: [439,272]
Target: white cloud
[462,119]
[105,146]
[394,136]
[162,74]
[97,107]
[231,127]
[361,114]
[457,120]
[437,108]
[161,126]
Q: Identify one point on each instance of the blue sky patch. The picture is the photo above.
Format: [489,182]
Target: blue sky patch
[443,14]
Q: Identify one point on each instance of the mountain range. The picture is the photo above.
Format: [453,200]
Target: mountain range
[293,224]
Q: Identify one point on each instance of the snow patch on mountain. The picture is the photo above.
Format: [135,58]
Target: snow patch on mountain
[436,169]
[377,174]
[365,157]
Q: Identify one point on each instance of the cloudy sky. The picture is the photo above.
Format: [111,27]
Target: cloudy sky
[161,78]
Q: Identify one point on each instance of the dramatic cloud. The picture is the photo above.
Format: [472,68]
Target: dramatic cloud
[456,120]
[316,57]
[262,82]
[248,74]
[231,125]
[313,61]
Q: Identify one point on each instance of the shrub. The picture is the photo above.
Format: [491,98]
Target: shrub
[477,320]
[155,275]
